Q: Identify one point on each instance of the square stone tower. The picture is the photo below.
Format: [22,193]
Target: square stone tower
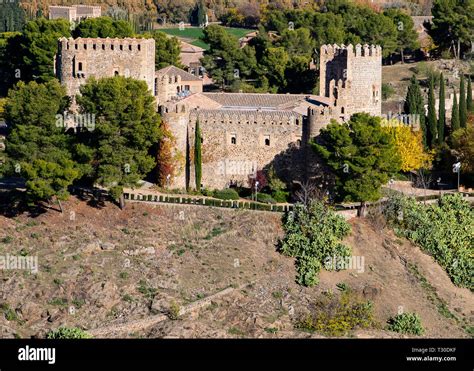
[352,78]
[79,59]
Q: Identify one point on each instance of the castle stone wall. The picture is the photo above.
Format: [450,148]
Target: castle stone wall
[79,59]
[235,144]
[352,78]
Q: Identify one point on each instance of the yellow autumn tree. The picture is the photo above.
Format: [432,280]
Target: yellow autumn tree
[2,107]
[409,145]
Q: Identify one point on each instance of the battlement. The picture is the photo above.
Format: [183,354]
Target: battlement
[351,77]
[103,44]
[323,112]
[247,117]
[330,51]
[81,58]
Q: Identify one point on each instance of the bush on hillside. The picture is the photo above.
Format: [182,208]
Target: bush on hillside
[312,235]
[445,230]
[406,323]
[226,194]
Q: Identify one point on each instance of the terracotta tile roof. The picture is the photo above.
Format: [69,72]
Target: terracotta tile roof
[175,71]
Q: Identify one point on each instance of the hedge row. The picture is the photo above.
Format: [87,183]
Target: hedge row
[250,205]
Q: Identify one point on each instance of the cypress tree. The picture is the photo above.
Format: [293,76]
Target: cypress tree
[469,102]
[441,111]
[197,157]
[462,104]
[414,105]
[432,121]
[455,115]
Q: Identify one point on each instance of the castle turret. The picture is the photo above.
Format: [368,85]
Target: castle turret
[352,78]
[79,59]
[176,116]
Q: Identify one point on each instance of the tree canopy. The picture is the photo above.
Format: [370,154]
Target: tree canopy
[36,147]
[453,25]
[127,127]
[103,27]
[361,155]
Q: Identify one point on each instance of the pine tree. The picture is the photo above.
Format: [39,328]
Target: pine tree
[462,104]
[432,121]
[469,102]
[197,157]
[370,162]
[414,105]
[455,115]
[441,111]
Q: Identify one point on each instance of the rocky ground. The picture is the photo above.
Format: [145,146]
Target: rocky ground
[99,266]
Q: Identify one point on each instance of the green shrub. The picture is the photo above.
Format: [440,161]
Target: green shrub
[226,194]
[9,313]
[266,199]
[244,192]
[207,192]
[387,91]
[174,311]
[406,323]
[68,333]
[280,196]
[445,230]
[312,235]
[7,239]
[338,315]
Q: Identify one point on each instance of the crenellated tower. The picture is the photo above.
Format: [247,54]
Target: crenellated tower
[351,77]
[79,59]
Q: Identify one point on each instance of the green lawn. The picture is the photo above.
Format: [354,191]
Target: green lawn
[193,35]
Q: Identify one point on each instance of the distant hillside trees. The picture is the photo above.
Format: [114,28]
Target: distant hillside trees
[293,38]
[407,38]
[453,25]
[103,27]
[12,16]
[414,105]
[29,55]
[167,49]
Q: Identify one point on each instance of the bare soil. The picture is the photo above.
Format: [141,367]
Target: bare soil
[101,266]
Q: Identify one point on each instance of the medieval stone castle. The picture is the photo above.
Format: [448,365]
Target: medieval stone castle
[240,132]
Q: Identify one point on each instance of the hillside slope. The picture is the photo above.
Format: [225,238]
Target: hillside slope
[102,266]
